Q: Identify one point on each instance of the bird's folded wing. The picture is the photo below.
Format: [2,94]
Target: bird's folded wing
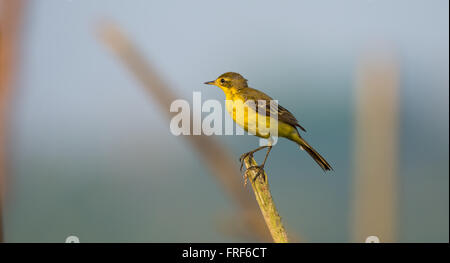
[261,102]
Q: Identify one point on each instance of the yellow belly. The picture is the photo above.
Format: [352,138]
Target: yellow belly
[250,121]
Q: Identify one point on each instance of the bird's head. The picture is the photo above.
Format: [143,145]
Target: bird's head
[229,80]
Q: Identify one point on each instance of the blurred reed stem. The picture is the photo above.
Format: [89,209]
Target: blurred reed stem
[10,25]
[376,161]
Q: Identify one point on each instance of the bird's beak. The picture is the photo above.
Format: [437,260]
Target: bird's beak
[210,83]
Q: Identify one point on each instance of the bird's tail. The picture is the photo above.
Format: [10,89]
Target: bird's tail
[313,153]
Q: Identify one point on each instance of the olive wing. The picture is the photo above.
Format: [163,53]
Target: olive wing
[261,102]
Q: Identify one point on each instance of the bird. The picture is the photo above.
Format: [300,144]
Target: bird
[257,105]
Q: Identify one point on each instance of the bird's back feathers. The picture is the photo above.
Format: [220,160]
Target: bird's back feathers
[250,94]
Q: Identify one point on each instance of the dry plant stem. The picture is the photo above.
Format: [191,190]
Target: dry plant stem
[263,196]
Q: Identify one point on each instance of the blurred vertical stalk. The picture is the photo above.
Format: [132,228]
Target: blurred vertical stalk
[10,22]
[376,148]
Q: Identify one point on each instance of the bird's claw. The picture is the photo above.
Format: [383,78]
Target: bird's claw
[242,158]
[260,171]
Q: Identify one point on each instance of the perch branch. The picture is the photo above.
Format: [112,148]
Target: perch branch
[263,196]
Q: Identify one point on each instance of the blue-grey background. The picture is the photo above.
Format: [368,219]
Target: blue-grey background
[93,155]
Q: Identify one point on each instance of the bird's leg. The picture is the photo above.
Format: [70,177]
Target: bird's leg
[250,153]
[260,168]
[245,155]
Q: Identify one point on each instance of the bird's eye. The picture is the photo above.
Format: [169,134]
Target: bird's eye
[222,81]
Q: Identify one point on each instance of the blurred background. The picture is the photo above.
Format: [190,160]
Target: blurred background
[90,153]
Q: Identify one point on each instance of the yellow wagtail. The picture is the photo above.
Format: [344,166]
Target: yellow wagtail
[236,90]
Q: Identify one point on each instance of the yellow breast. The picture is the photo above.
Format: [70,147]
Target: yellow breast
[246,117]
